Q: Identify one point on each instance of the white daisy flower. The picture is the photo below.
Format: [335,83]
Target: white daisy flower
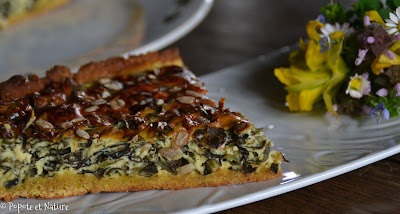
[359,86]
[328,29]
[393,23]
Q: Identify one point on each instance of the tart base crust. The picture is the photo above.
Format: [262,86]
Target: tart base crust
[67,185]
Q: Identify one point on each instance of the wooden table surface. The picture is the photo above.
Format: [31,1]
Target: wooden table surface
[239,30]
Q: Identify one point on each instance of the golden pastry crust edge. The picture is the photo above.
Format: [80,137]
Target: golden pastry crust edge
[67,185]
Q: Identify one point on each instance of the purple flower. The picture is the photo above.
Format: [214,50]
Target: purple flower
[361,57]
[320,18]
[382,92]
[396,37]
[397,87]
[366,74]
[390,54]
[325,44]
[367,20]
[370,40]
[380,112]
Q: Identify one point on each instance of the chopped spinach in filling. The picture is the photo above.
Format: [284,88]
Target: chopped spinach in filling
[21,159]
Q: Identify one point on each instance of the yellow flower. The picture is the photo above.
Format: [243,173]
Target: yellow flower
[375,17]
[313,75]
[384,61]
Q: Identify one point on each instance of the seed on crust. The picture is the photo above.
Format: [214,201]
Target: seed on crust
[83,134]
[141,78]
[104,80]
[174,89]
[181,138]
[120,102]
[198,84]
[185,99]
[114,105]
[77,120]
[193,93]
[44,124]
[156,71]
[99,102]
[171,153]
[159,102]
[114,86]
[185,169]
[152,76]
[105,94]
[145,148]
[91,109]
[66,125]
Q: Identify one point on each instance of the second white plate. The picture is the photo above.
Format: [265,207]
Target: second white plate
[89,30]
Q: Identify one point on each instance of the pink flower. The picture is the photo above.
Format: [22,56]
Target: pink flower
[367,20]
[390,54]
[397,87]
[361,57]
[382,92]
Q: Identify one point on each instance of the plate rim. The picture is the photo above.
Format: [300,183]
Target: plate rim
[175,34]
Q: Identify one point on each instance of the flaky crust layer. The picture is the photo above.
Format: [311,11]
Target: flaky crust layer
[68,185]
[19,86]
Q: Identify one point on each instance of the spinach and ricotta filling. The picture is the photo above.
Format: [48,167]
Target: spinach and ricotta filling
[22,159]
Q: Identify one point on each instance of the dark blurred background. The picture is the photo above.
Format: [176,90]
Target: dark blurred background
[238,30]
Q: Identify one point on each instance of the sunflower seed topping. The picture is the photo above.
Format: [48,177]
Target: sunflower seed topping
[114,86]
[120,102]
[152,76]
[185,99]
[185,169]
[91,109]
[104,81]
[83,134]
[193,93]
[99,102]
[66,125]
[44,124]
[77,120]
[114,105]
[159,102]
[105,94]
[198,84]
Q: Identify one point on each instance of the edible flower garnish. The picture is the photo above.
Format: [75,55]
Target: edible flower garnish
[380,112]
[359,86]
[393,22]
[351,59]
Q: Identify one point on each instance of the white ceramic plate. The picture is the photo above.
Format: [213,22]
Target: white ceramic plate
[317,148]
[87,30]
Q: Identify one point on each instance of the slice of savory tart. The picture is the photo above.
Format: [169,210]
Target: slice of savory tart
[123,124]
[14,11]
